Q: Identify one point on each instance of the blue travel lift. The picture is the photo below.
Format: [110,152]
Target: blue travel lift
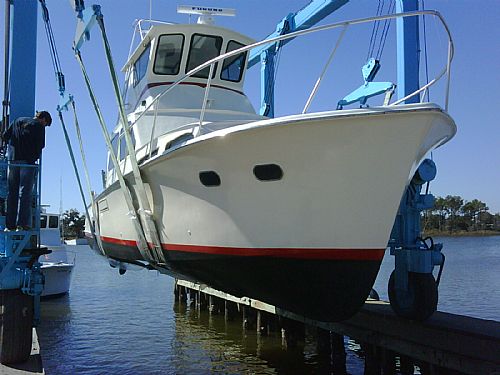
[412,288]
[21,278]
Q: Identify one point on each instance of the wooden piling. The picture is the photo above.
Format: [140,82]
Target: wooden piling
[338,354]
[230,310]
[292,332]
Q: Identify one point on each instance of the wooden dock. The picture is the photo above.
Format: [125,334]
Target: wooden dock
[32,366]
[444,344]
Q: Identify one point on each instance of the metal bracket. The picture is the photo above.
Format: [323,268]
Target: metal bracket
[86,20]
[369,88]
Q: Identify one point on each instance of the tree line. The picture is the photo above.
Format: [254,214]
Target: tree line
[450,214]
[454,214]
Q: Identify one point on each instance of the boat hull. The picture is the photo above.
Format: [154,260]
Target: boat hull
[310,241]
[57,269]
[57,278]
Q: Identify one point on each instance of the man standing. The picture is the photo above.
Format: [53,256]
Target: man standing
[26,139]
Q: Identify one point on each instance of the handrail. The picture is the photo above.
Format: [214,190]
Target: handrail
[325,68]
[317,29]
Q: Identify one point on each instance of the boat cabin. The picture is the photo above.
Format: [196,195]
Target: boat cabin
[165,54]
[50,233]
[168,52]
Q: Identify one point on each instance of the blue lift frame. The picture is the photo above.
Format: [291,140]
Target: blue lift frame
[305,18]
[19,266]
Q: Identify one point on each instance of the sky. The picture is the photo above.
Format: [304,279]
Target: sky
[468,165]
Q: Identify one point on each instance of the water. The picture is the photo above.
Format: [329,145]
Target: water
[112,324]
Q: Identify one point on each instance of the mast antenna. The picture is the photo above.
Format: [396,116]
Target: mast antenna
[206,13]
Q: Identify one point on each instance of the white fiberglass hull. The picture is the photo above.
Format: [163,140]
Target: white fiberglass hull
[57,269]
[344,173]
[57,278]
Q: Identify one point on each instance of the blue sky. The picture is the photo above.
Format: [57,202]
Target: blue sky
[468,166]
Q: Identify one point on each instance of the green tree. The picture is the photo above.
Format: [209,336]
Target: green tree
[453,204]
[472,211]
[73,223]
[442,210]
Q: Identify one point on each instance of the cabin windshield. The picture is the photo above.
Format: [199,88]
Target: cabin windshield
[141,66]
[169,54]
[232,68]
[202,49]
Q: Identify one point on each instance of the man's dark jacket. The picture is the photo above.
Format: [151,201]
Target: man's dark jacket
[26,139]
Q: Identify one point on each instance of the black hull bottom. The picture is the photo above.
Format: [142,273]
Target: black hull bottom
[324,290]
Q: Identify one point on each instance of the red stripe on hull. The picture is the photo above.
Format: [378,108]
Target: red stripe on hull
[291,253]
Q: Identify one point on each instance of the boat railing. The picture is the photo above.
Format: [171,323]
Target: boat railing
[344,25]
[142,31]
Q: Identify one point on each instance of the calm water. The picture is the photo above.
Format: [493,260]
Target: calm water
[112,324]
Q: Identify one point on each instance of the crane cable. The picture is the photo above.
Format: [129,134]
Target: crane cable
[61,82]
[375,39]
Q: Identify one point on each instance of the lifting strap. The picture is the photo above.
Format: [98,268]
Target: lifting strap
[95,235]
[145,212]
[142,244]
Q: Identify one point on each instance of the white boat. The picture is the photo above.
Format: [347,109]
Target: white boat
[57,267]
[295,211]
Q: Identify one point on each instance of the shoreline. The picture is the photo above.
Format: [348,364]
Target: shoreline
[462,233]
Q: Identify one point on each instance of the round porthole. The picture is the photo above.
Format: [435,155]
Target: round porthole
[268,172]
[209,178]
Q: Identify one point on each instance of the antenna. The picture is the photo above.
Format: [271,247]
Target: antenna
[205,13]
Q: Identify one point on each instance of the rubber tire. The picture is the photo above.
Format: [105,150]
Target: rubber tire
[420,302]
[16,326]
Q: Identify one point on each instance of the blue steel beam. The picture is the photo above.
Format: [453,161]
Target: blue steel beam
[308,16]
[23,60]
[408,51]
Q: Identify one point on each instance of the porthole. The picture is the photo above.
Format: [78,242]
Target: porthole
[209,178]
[268,172]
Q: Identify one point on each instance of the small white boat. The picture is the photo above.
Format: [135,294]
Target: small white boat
[57,267]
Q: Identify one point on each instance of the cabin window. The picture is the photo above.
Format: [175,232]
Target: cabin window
[169,54]
[268,172]
[141,66]
[53,221]
[43,221]
[209,178]
[232,68]
[202,49]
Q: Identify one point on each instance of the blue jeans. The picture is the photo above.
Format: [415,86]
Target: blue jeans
[20,193]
